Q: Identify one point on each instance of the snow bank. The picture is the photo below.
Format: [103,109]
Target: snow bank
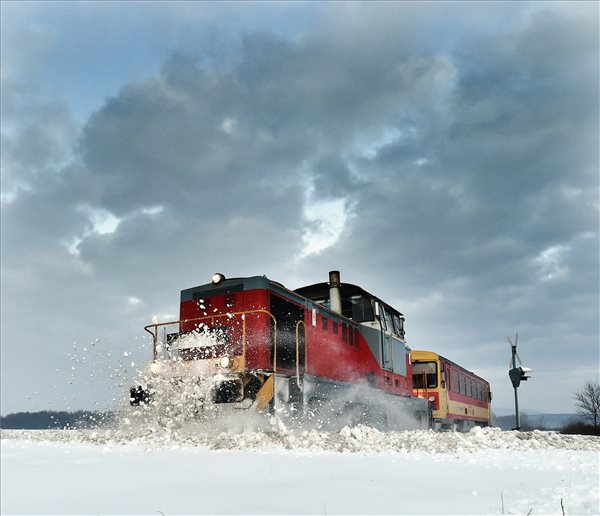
[359,439]
[177,471]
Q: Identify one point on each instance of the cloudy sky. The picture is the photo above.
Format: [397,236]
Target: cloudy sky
[442,155]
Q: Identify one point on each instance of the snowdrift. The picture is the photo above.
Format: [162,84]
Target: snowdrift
[356,439]
[359,470]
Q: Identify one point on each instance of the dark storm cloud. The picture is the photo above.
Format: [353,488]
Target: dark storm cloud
[480,216]
[463,148]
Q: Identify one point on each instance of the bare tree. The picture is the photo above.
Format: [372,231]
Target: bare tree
[587,402]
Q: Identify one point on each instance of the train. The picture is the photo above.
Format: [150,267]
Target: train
[328,355]
[459,399]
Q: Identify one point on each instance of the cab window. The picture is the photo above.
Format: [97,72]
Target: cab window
[358,308]
[382,317]
[399,325]
[425,375]
[388,321]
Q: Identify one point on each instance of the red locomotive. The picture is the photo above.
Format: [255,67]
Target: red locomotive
[328,351]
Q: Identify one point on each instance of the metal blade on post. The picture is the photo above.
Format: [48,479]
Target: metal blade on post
[518,357]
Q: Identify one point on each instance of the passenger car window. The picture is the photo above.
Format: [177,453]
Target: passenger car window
[454,380]
[462,383]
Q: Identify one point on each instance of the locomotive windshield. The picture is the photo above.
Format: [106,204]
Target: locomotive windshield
[425,375]
[356,307]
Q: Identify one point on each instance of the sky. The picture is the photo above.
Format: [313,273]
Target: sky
[443,156]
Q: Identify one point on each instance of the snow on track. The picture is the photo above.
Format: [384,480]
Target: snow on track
[353,471]
[356,439]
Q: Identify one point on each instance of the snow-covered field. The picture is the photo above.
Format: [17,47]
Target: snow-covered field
[354,471]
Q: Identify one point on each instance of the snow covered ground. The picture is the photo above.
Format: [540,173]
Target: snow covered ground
[354,471]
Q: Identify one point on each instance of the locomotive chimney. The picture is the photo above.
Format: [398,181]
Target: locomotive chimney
[335,298]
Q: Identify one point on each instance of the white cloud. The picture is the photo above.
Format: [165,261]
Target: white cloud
[370,148]
[73,245]
[100,222]
[550,262]
[326,220]
[228,125]
[8,196]
[153,210]
[103,221]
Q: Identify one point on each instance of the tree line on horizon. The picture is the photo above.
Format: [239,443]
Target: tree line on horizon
[50,419]
[83,419]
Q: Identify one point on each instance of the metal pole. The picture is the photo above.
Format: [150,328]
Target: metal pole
[514,364]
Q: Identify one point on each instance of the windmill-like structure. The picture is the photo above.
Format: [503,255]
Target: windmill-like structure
[517,374]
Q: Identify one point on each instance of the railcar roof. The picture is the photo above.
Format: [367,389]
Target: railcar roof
[462,368]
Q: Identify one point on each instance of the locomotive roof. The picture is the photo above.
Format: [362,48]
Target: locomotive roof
[315,291]
[230,285]
[321,290]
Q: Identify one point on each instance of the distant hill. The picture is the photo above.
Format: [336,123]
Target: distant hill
[508,410]
[47,419]
[87,419]
[536,420]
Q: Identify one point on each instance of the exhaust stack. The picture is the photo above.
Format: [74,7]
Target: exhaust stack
[335,298]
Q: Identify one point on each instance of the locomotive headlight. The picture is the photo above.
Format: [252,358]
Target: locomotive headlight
[226,362]
[431,399]
[217,277]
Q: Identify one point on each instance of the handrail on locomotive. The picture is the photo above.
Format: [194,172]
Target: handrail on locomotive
[155,339]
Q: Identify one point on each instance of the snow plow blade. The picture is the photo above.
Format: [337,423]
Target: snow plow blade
[265,395]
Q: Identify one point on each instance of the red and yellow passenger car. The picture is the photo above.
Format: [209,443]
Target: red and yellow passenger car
[459,398]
